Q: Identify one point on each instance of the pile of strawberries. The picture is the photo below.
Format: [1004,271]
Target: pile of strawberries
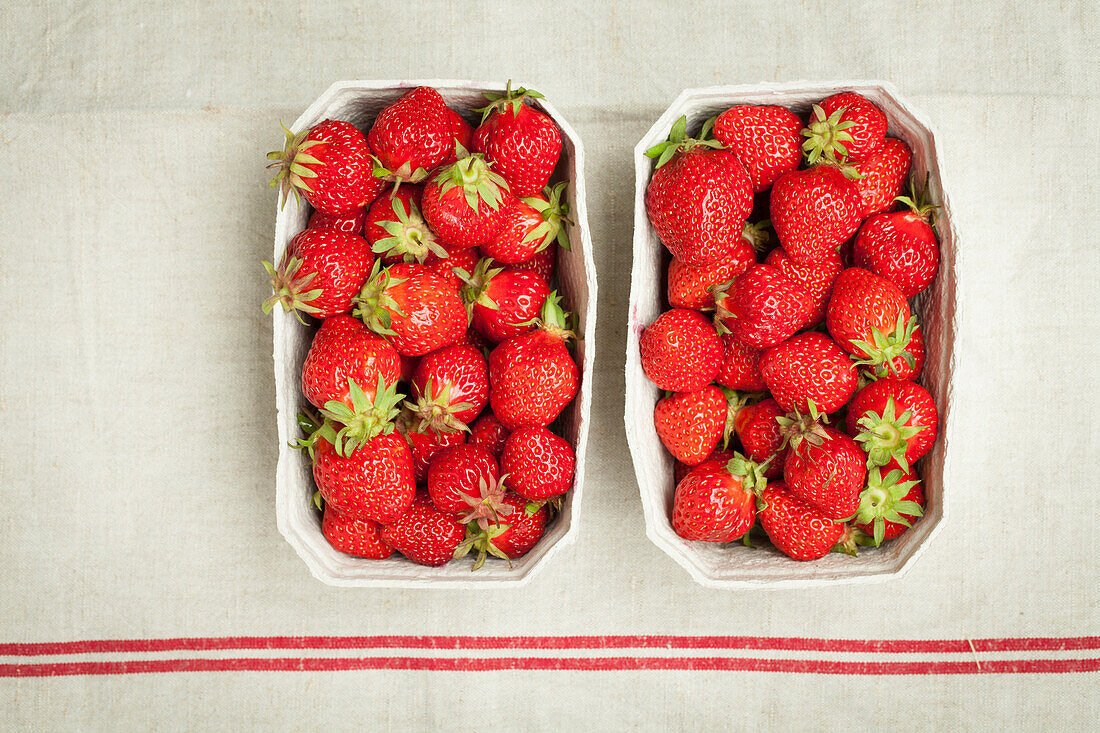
[806,355]
[441,358]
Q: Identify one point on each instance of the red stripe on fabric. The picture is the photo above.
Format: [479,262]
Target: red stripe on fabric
[883,646]
[444,664]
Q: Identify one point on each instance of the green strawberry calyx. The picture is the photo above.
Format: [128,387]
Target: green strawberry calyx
[555,215]
[883,500]
[826,136]
[290,288]
[678,142]
[409,235]
[920,203]
[881,351]
[436,412]
[757,235]
[366,418]
[735,402]
[473,174]
[886,436]
[796,427]
[374,305]
[553,319]
[750,472]
[292,164]
[484,522]
[478,282]
[510,99]
[851,539]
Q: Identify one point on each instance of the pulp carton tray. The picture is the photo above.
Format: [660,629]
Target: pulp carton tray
[733,566]
[359,102]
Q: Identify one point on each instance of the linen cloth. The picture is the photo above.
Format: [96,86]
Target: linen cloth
[138,438]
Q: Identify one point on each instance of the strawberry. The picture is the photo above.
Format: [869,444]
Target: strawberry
[412,136]
[681,469]
[359,537]
[690,424]
[899,355]
[397,231]
[425,444]
[532,375]
[374,481]
[817,277]
[809,369]
[716,502]
[901,247]
[862,304]
[845,128]
[826,469]
[344,351]
[503,303]
[893,419]
[464,202]
[321,272]
[451,386]
[813,211]
[529,226]
[350,223]
[424,534]
[690,286]
[762,307]
[448,267]
[883,174]
[539,465]
[543,263]
[519,527]
[740,368]
[765,138]
[459,473]
[698,198]
[329,165]
[522,142]
[680,351]
[758,428]
[891,502]
[488,432]
[418,310]
[463,135]
[797,529]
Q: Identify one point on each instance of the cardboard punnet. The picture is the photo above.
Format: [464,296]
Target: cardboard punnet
[735,566]
[359,102]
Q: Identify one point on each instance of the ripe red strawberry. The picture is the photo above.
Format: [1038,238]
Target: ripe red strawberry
[826,469]
[350,223]
[447,267]
[329,165]
[321,272]
[359,537]
[884,173]
[459,473]
[503,303]
[396,229]
[813,211]
[899,355]
[817,277]
[464,202]
[425,534]
[740,368]
[809,368]
[901,247]
[698,198]
[452,388]
[488,432]
[425,444]
[415,308]
[374,481]
[519,527]
[690,424]
[862,304]
[758,428]
[463,133]
[522,142]
[529,226]
[344,350]
[691,286]
[765,138]
[845,127]
[893,419]
[533,375]
[539,465]
[891,502]
[797,529]
[716,502]
[412,136]
[543,263]
[681,351]
[681,469]
[762,307]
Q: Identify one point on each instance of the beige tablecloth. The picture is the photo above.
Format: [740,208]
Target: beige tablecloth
[138,444]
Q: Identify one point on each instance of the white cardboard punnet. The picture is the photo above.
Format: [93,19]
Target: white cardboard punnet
[359,102]
[729,566]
